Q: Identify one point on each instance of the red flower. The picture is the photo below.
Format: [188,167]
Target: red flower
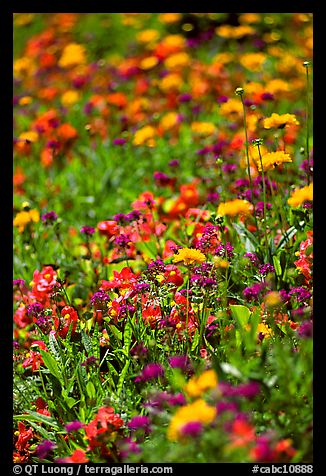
[34,359]
[108,228]
[100,430]
[123,280]
[43,282]
[23,437]
[69,317]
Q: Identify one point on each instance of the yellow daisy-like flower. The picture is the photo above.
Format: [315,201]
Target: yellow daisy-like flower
[149,62]
[170,82]
[231,107]
[147,36]
[271,159]
[23,218]
[198,411]
[265,330]
[73,54]
[144,135]
[189,256]
[301,195]
[169,17]
[275,86]
[198,385]
[203,128]
[177,60]
[280,121]
[235,207]
[70,97]
[169,120]
[253,61]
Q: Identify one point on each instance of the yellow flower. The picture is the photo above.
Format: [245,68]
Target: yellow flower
[235,32]
[170,82]
[265,330]
[23,67]
[30,136]
[280,121]
[70,97]
[271,159]
[253,61]
[175,41]
[23,218]
[249,18]
[72,55]
[198,411]
[275,86]
[235,207]
[300,195]
[169,17]
[169,120]
[149,62]
[144,135]
[203,128]
[189,256]
[223,58]
[147,36]
[272,299]
[231,107]
[198,385]
[25,100]
[177,60]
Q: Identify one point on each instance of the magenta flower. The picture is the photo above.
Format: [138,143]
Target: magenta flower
[150,372]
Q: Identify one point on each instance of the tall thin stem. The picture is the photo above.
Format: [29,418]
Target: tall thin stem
[306,65]
[239,92]
[264,194]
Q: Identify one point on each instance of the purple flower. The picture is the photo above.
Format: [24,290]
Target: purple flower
[224,250]
[252,257]
[267,97]
[222,99]
[73,426]
[305,330]
[139,421]
[192,429]
[119,141]
[179,361]
[89,362]
[186,97]
[224,406]
[49,217]
[300,294]
[264,269]
[251,293]
[174,163]
[150,371]
[122,240]
[142,287]
[88,230]
[44,448]
[248,390]
[213,197]
[161,178]
[100,299]
[18,282]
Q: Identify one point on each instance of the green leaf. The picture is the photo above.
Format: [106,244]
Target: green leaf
[122,377]
[241,314]
[277,266]
[87,342]
[249,241]
[51,364]
[127,334]
[286,237]
[90,389]
[31,416]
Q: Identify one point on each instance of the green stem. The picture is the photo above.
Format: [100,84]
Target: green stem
[307,124]
[248,160]
[264,196]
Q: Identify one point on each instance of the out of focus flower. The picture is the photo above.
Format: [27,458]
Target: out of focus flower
[280,121]
[23,218]
[272,159]
[189,256]
[198,385]
[235,207]
[72,55]
[301,195]
[198,411]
